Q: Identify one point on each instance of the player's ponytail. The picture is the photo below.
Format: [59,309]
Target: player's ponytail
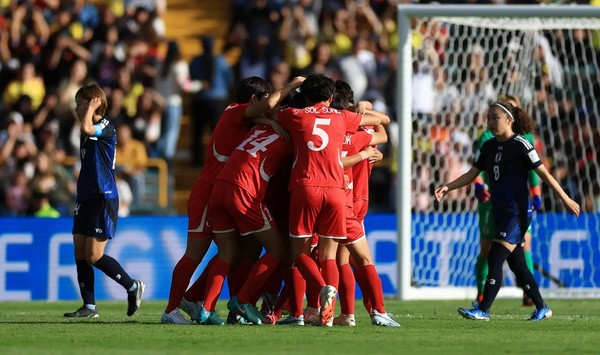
[523,122]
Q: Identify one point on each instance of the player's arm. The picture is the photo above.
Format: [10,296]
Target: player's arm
[373,118]
[459,182]
[481,192]
[379,136]
[267,103]
[368,153]
[570,205]
[273,124]
[87,124]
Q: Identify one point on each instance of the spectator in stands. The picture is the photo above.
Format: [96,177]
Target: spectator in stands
[208,104]
[26,83]
[172,79]
[146,125]
[41,206]
[54,181]
[132,160]
[64,47]
[16,195]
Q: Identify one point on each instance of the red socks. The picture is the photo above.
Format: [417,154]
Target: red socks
[182,273]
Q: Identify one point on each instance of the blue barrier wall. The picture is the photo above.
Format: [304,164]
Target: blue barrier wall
[36,255]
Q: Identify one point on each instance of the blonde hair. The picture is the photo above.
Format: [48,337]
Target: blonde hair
[510,98]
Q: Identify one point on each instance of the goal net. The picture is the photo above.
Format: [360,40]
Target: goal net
[455,61]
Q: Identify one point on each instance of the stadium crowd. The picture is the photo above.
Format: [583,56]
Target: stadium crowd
[50,48]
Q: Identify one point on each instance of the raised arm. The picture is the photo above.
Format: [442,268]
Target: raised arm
[87,123]
[267,103]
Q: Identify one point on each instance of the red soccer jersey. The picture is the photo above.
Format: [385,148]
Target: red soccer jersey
[255,160]
[229,132]
[361,172]
[354,143]
[318,133]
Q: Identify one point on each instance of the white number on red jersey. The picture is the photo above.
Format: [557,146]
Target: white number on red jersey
[257,144]
[317,131]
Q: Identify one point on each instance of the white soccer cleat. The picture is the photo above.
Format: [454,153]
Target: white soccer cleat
[191,308]
[383,319]
[291,320]
[174,317]
[345,320]
[327,297]
[311,316]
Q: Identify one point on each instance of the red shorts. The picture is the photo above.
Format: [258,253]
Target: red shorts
[199,222]
[318,210]
[360,209]
[231,208]
[354,227]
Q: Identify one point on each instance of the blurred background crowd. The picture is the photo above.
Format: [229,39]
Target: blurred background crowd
[160,96]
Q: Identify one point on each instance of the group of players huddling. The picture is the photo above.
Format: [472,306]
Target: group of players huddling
[294,159]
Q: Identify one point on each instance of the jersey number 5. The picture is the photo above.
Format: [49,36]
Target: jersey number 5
[319,132]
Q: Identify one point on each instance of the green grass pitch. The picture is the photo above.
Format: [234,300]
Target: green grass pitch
[428,327]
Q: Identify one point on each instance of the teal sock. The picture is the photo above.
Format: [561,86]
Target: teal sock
[529,261]
[481,272]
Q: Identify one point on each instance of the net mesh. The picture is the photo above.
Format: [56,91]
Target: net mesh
[461,65]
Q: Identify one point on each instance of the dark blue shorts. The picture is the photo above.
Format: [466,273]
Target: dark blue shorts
[96,218]
[513,228]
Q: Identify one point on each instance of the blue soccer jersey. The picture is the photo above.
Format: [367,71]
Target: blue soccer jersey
[507,165]
[97,153]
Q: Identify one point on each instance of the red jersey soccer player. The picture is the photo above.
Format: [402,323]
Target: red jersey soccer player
[317,184]
[253,98]
[236,206]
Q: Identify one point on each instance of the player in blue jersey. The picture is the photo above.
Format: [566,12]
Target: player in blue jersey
[507,159]
[97,204]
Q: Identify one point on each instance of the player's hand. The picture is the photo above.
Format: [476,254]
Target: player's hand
[94,104]
[440,192]
[297,81]
[371,152]
[536,202]
[482,194]
[378,157]
[572,207]
[279,130]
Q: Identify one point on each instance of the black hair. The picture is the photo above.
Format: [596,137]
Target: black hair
[344,96]
[252,86]
[318,88]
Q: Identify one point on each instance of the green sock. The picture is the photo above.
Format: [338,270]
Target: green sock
[481,271]
[529,261]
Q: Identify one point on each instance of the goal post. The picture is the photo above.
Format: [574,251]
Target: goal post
[438,243]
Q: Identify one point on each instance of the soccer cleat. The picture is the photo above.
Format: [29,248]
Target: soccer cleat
[209,318]
[174,317]
[345,320]
[540,314]
[475,314]
[327,297]
[234,318]
[134,298]
[83,312]
[191,308]
[383,319]
[246,310]
[527,302]
[291,320]
[311,316]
